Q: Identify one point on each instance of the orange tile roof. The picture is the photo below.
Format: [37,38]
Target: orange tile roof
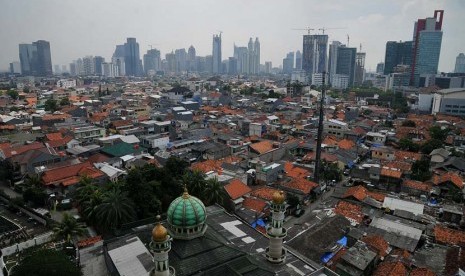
[294,171]
[121,123]
[262,147]
[390,269]
[7,127]
[330,140]
[449,236]
[378,243]
[346,144]
[59,143]
[300,184]
[417,185]
[254,204]
[360,193]
[401,165]
[391,172]
[54,136]
[422,272]
[349,210]
[265,193]
[16,150]
[51,117]
[70,174]
[407,155]
[448,177]
[208,166]
[237,189]
[89,241]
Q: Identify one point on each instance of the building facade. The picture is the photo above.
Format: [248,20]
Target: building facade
[460,63]
[216,54]
[314,53]
[397,53]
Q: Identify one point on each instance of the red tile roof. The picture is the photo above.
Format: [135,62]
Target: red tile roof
[407,155]
[237,189]
[346,144]
[300,184]
[360,193]
[391,172]
[265,193]
[390,269]
[349,210]
[8,152]
[54,136]
[262,147]
[422,272]
[378,243]
[448,177]
[449,236]
[294,171]
[417,185]
[254,204]
[70,175]
[51,117]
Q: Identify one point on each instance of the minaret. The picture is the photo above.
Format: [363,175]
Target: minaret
[160,246]
[275,252]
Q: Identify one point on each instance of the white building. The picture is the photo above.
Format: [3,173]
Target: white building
[335,127]
[119,62]
[88,65]
[317,79]
[109,69]
[300,76]
[340,81]
[425,101]
[255,129]
[66,83]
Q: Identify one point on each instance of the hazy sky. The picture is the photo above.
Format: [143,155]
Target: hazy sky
[76,28]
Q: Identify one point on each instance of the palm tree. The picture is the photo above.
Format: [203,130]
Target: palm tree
[115,209]
[68,229]
[195,181]
[32,181]
[214,191]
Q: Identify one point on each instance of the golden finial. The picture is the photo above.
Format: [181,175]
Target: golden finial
[278,197]
[186,193]
[159,232]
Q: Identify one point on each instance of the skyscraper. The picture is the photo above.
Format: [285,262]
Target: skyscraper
[241,54]
[359,68]
[15,67]
[152,61]
[88,65]
[314,53]
[36,58]
[132,57]
[427,39]
[332,63]
[181,60]
[460,63]
[216,54]
[346,62]
[397,53]
[268,67]
[288,63]
[256,57]
[380,68]
[98,60]
[191,63]
[298,60]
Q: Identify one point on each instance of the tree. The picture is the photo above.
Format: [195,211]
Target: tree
[430,145]
[51,105]
[195,182]
[292,200]
[420,170]
[46,262]
[214,192]
[438,133]
[115,210]
[65,102]
[330,171]
[13,94]
[68,228]
[36,195]
[409,145]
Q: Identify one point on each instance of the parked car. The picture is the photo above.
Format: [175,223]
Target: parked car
[299,212]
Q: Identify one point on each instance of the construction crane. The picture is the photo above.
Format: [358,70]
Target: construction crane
[308,29]
[151,45]
[324,29]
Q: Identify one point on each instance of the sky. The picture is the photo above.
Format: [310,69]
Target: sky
[93,27]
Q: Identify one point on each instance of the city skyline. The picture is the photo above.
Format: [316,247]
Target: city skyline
[362,19]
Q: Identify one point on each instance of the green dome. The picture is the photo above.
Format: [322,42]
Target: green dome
[186,211]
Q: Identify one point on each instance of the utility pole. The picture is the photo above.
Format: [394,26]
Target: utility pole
[316,173]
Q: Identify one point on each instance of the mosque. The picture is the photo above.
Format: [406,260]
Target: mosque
[195,240]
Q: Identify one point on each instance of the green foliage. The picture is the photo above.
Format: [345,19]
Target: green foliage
[292,200]
[36,195]
[51,105]
[65,101]
[13,94]
[409,123]
[68,228]
[367,112]
[431,145]
[409,145]
[214,192]
[330,171]
[438,133]
[249,90]
[116,209]
[46,262]
[421,170]
[399,103]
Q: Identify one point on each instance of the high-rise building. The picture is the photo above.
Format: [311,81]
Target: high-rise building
[152,61]
[109,69]
[332,63]
[36,58]
[346,62]
[15,67]
[44,58]
[359,68]
[170,62]
[241,54]
[88,65]
[216,54]
[63,69]
[298,60]
[72,69]
[120,63]
[209,64]
[460,63]
[98,60]
[314,53]
[248,58]
[288,63]
[181,60]
[427,39]
[380,68]
[232,66]
[397,53]
[132,57]
[191,62]
[268,67]
[256,57]
[56,69]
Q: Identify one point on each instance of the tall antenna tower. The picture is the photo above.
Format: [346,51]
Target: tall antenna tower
[316,173]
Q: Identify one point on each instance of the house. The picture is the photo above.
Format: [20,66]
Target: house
[375,138]
[439,155]
[386,268]
[336,128]
[449,184]
[382,153]
[236,190]
[357,261]
[415,188]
